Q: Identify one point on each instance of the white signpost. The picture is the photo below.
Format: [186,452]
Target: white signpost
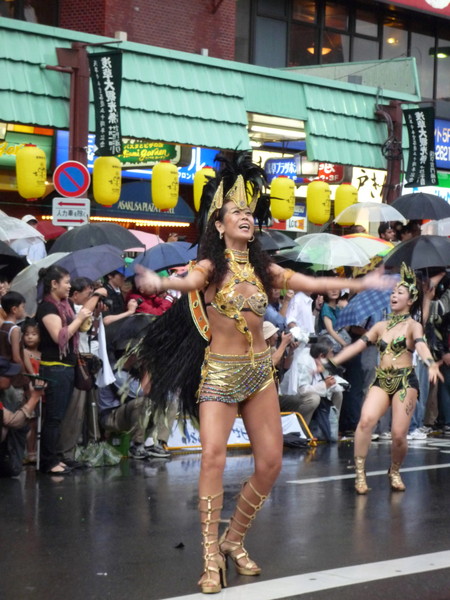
[71,212]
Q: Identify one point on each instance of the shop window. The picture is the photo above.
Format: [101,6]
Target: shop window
[443,68]
[270,42]
[420,49]
[335,48]
[365,49]
[272,8]
[303,46]
[336,16]
[304,10]
[366,23]
[242,38]
[395,38]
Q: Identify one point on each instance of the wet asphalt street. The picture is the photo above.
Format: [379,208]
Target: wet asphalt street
[131,531]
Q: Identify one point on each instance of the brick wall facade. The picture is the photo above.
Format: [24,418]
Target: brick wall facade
[182,25]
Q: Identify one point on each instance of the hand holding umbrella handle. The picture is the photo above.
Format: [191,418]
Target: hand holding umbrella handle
[147,281]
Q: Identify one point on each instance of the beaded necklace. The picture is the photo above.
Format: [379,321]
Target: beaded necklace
[396,319]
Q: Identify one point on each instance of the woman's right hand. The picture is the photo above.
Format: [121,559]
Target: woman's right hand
[147,282]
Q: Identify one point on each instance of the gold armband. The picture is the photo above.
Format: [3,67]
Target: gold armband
[196,267]
[287,275]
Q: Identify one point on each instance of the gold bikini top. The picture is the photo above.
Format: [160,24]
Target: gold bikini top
[231,303]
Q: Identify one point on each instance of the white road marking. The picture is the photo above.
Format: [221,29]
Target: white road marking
[297,585]
[368,474]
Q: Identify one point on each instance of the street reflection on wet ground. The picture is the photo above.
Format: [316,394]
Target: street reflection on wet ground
[132,531]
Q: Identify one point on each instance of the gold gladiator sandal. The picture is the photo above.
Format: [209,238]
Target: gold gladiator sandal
[213,578]
[360,480]
[397,484]
[235,549]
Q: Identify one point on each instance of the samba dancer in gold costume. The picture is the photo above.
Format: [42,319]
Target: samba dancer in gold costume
[234,275]
[395,383]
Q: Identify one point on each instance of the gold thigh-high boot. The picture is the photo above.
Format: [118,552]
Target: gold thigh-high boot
[240,522]
[397,484]
[214,562]
[360,480]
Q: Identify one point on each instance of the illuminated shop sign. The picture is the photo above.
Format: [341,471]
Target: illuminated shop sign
[442,143]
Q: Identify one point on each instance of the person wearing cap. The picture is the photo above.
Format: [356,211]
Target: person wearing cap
[14,419]
[33,247]
[270,333]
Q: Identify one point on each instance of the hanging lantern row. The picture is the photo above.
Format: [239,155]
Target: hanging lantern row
[107,180]
[345,196]
[318,203]
[165,185]
[31,171]
[282,198]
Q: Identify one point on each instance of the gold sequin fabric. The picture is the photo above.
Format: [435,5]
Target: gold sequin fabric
[234,378]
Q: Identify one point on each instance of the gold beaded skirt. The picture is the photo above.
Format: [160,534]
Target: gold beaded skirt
[232,378]
[392,380]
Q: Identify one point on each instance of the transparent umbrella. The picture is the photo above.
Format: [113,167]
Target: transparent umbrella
[369,211]
[15,229]
[326,251]
[372,245]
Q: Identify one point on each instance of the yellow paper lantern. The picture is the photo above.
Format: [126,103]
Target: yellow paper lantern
[318,203]
[31,171]
[282,198]
[165,185]
[107,180]
[345,196]
[200,180]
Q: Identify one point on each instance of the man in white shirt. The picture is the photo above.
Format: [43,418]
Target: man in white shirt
[305,382]
[299,312]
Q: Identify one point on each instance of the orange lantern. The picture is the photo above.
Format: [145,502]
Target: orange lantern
[282,198]
[107,180]
[165,185]
[200,179]
[318,203]
[31,171]
[345,196]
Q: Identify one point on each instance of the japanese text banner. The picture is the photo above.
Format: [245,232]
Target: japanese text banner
[421,169]
[106,76]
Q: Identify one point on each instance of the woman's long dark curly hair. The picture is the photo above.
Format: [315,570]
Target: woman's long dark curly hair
[212,248]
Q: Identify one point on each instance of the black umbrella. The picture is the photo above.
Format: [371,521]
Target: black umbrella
[422,206]
[95,234]
[272,240]
[11,263]
[422,252]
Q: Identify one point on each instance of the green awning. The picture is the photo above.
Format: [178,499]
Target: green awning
[191,99]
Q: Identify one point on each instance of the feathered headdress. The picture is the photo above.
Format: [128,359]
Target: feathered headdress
[238,180]
[408,280]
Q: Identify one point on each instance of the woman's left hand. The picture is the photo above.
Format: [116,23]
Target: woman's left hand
[434,373]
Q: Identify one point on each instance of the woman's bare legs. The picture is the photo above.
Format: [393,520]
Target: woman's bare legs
[374,407]
[261,415]
[401,418]
[216,421]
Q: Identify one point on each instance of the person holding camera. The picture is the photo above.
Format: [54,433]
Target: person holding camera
[14,419]
[307,382]
[115,303]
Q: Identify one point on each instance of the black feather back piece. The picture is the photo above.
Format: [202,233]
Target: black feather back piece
[172,353]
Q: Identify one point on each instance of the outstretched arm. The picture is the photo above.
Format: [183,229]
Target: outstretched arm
[304,283]
[149,282]
[359,346]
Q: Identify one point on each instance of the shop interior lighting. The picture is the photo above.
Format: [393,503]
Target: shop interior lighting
[325,50]
[137,222]
[442,52]
[296,135]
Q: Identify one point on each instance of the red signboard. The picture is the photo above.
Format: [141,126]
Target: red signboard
[438,7]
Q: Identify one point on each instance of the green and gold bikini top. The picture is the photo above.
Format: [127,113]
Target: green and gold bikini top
[397,346]
[231,303]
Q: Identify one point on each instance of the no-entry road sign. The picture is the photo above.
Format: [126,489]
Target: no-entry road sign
[71,179]
[71,212]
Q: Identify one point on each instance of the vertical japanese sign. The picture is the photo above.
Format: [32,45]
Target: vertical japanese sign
[421,169]
[106,76]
